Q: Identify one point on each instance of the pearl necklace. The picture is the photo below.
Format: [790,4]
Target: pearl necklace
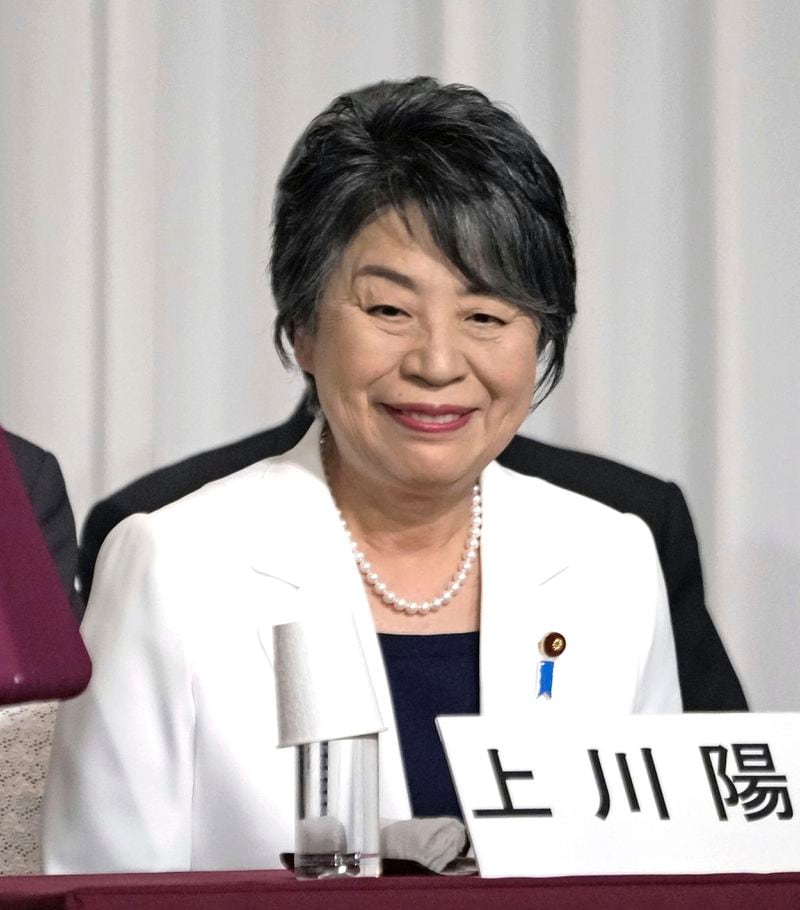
[373,579]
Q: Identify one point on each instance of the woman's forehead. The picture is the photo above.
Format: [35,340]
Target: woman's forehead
[397,245]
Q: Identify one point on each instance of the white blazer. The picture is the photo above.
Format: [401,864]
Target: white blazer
[169,761]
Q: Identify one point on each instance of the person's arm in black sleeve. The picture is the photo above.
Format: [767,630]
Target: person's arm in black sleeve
[708,680]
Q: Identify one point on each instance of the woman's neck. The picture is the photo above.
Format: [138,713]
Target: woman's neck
[407,535]
[388,516]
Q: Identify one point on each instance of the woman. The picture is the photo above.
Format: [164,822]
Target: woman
[423,272]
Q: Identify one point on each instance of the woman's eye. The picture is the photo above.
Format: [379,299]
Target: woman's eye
[486,319]
[386,310]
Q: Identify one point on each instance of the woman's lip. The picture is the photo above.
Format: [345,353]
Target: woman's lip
[429,418]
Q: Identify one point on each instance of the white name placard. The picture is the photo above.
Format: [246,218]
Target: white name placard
[687,793]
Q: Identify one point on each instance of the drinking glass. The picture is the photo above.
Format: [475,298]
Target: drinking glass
[337,830]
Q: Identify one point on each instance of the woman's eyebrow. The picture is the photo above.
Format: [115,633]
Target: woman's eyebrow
[382,271]
[407,282]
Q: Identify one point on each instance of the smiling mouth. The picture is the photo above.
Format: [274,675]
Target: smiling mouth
[431,418]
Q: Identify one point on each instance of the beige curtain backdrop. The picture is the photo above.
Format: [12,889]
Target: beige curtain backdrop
[139,144]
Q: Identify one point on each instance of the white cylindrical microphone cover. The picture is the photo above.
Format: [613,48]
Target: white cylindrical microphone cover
[322,682]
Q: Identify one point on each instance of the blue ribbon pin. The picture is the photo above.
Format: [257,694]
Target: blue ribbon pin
[551,647]
[545,678]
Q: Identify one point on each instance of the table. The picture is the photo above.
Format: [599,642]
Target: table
[280,891]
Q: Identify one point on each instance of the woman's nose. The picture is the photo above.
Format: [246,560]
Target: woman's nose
[435,357]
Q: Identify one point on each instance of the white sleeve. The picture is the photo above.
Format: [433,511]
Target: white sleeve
[119,789]
[658,688]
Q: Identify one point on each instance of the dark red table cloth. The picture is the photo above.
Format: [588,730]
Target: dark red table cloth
[279,891]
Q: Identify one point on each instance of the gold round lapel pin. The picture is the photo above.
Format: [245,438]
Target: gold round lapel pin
[553,644]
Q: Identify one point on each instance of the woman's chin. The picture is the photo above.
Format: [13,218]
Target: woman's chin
[432,475]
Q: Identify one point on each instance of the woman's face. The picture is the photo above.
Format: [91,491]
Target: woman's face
[423,382]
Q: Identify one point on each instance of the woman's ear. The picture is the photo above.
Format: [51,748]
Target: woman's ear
[303,345]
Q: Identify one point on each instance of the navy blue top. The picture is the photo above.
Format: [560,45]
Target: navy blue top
[430,675]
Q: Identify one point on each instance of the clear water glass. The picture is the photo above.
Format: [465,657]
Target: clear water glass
[337,830]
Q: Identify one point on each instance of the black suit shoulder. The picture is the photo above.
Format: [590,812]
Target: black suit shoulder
[611,482]
[47,492]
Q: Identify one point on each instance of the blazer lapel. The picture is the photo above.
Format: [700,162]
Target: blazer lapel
[521,556]
[299,542]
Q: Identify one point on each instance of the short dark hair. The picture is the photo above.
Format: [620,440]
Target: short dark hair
[492,201]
